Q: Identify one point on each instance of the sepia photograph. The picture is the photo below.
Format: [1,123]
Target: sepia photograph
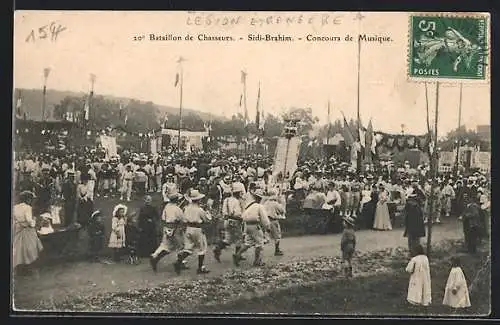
[329,163]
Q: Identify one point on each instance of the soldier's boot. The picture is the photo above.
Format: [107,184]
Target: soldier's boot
[236,252]
[201,268]
[218,250]
[258,257]
[154,260]
[180,259]
[277,251]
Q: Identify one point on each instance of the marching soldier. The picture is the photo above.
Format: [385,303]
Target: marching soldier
[171,219]
[231,212]
[194,238]
[276,212]
[255,221]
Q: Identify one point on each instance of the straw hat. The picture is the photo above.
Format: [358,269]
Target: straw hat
[195,195]
[118,207]
[259,193]
[95,213]
[27,194]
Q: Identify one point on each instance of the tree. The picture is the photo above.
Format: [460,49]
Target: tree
[273,126]
[464,136]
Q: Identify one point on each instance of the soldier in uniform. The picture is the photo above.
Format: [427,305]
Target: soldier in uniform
[194,238]
[231,213]
[276,212]
[171,219]
[255,220]
[70,198]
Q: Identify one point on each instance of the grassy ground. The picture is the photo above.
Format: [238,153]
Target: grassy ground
[372,295]
[303,286]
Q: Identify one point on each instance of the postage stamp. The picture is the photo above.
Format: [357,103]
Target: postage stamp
[448,47]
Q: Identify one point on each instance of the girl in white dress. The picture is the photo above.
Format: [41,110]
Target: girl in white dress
[419,288]
[365,196]
[456,293]
[117,237]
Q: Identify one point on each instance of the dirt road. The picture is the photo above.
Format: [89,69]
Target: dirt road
[57,282]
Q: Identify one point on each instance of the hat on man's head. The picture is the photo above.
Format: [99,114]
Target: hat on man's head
[194,195]
[259,193]
[27,195]
[95,214]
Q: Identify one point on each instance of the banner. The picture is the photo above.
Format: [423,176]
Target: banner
[109,145]
[153,146]
[281,155]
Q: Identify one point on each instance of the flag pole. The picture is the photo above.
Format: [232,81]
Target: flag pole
[329,126]
[92,82]
[458,129]
[434,159]
[180,105]
[359,17]
[46,73]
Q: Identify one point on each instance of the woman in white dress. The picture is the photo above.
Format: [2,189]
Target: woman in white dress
[419,287]
[382,218]
[26,244]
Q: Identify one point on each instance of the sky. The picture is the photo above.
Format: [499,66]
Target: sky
[291,74]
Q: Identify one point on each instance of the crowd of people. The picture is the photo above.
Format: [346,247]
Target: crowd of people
[242,199]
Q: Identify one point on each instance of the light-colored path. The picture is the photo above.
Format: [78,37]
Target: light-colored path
[82,278]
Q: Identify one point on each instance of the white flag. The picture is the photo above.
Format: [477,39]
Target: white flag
[362,137]
[374,145]
[86,110]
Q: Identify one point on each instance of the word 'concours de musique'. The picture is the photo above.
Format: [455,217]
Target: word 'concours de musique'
[269,38]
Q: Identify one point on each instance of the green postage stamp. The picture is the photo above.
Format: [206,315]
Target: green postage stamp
[453,47]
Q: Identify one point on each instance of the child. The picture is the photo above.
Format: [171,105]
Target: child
[419,288]
[96,234]
[348,245]
[456,294]
[132,235]
[117,237]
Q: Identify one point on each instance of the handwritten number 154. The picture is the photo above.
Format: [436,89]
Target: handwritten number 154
[51,31]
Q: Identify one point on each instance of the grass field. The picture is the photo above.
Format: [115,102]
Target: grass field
[381,294]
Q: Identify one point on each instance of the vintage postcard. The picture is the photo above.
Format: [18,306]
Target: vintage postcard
[333,163]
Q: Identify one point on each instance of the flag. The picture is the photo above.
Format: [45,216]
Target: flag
[176,79]
[262,121]
[19,105]
[165,120]
[121,110]
[257,117]
[347,134]
[369,141]
[362,134]
[126,118]
[86,109]
[241,99]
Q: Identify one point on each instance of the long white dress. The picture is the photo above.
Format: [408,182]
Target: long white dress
[419,288]
[457,281]
[382,218]
[26,244]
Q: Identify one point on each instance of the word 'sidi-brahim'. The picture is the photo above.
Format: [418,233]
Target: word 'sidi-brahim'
[269,38]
